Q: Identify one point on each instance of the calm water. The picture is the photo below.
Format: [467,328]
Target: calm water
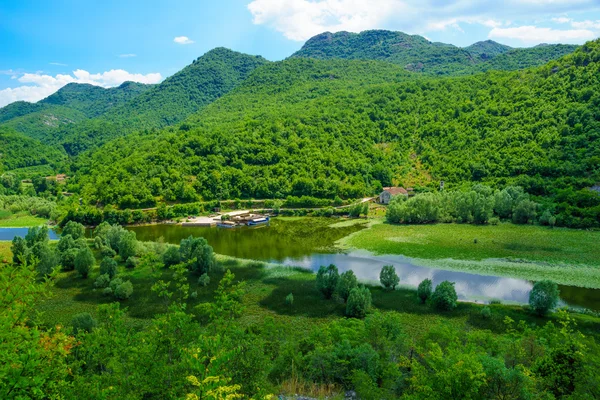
[308,243]
[7,234]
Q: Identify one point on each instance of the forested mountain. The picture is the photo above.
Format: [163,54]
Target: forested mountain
[19,151]
[78,117]
[72,104]
[417,54]
[340,127]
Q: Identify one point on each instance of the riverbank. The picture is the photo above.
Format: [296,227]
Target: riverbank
[20,220]
[567,256]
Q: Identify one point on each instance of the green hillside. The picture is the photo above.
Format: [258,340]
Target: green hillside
[70,105]
[417,54]
[327,128]
[19,151]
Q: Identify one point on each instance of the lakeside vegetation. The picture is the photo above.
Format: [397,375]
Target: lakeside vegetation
[264,330]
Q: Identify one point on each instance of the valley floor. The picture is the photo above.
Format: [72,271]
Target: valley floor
[567,256]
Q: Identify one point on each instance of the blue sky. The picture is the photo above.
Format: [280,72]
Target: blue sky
[46,44]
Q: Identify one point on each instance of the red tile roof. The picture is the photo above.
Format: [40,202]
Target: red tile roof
[395,190]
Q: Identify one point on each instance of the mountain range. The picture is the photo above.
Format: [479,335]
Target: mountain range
[344,116]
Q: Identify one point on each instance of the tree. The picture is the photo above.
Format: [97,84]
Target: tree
[46,256]
[171,256]
[444,297]
[543,297]
[102,281]
[359,302]
[424,290]
[388,277]
[36,235]
[75,229]
[83,322]
[197,254]
[123,291]
[524,212]
[84,261]
[346,283]
[127,245]
[19,250]
[108,266]
[67,259]
[327,279]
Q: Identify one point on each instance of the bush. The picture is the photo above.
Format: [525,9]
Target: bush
[359,302]
[486,313]
[388,277]
[127,245]
[198,255]
[327,279]
[107,291]
[543,297]
[107,252]
[494,221]
[75,229]
[444,297]
[102,281]
[204,280]
[84,261]
[346,283]
[424,290]
[132,262]
[108,266]
[123,291]
[83,322]
[289,300]
[171,256]
[47,258]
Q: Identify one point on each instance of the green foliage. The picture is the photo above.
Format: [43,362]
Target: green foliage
[204,279]
[388,277]
[486,312]
[444,296]
[19,151]
[84,261]
[543,297]
[123,291]
[47,259]
[289,300]
[102,281]
[83,322]
[127,247]
[197,254]
[345,284]
[18,250]
[171,256]
[327,280]
[424,290]
[359,302]
[108,266]
[76,230]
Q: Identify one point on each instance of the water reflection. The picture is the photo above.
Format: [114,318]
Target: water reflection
[8,234]
[468,286]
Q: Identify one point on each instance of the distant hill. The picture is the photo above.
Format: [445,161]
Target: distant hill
[417,54]
[78,116]
[72,104]
[20,151]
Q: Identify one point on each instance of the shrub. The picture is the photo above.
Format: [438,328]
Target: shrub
[102,281]
[84,261]
[18,249]
[47,258]
[346,283]
[83,322]
[424,290]
[132,262]
[67,259]
[327,279]
[289,300]
[486,313]
[171,256]
[388,277]
[107,291]
[107,252]
[123,291]
[115,282]
[494,221]
[75,229]
[359,302]
[127,245]
[108,266]
[444,297]
[198,255]
[204,280]
[543,297]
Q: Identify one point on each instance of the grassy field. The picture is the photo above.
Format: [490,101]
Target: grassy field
[266,289]
[19,220]
[570,257]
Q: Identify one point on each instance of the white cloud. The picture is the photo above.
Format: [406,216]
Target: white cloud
[39,86]
[128,55]
[534,34]
[301,19]
[586,25]
[58,64]
[183,40]
[562,20]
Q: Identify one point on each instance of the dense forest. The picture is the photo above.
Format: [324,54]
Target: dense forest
[327,127]
[19,151]
[417,54]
